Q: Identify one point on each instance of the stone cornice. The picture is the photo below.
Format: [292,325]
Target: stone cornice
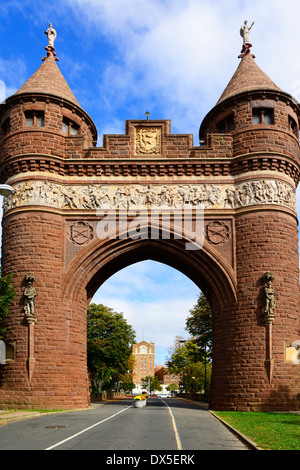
[149,168]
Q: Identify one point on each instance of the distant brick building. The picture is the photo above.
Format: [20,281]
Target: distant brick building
[166,378]
[243,177]
[144,354]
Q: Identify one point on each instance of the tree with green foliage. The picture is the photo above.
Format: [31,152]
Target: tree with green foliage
[191,359]
[199,326]
[196,378]
[172,387]
[187,361]
[126,380]
[109,340]
[153,382]
[7,295]
[183,356]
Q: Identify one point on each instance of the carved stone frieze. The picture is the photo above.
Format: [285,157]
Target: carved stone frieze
[139,196]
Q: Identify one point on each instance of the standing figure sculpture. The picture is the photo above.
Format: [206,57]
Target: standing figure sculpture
[269,294]
[245,32]
[30,294]
[51,34]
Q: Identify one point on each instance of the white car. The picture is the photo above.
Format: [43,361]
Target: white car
[164,395]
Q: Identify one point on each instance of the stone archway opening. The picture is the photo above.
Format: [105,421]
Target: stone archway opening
[146,285]
[104,258]
[155,300]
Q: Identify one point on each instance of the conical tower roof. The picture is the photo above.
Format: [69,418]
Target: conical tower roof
[49,80]
[247,77]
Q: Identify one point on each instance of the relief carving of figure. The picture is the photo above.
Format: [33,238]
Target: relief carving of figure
[229,197]
[70,197]
[93,196]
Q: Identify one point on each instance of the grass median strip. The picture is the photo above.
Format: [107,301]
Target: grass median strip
[270,431]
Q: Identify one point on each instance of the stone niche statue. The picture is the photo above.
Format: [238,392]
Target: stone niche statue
[269,294]
[29,294]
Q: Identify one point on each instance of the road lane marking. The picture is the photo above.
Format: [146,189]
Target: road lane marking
[177,437]
[87,429]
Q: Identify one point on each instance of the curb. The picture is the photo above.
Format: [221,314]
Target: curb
[245,439]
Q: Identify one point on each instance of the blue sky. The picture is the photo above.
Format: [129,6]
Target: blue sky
[172,58]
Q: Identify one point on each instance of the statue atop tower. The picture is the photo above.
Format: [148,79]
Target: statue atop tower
[245,33]
[51,35]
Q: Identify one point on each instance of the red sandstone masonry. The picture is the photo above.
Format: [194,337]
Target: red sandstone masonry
[262,237]
[33,242]
[265,241]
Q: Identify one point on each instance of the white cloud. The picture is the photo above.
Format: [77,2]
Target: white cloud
[178,56]
[155,299]
[13,75]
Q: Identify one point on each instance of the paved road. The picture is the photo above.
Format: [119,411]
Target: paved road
[168,425]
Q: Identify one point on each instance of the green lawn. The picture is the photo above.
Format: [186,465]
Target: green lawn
[270,431]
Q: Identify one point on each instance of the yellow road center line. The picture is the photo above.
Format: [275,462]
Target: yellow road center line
[178,440]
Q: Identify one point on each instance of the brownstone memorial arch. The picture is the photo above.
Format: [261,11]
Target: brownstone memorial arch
[223,213]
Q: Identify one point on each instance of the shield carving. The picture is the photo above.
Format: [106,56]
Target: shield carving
[81,233]
[148,140]
[217,232]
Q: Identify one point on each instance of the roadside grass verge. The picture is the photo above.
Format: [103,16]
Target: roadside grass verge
[270,431]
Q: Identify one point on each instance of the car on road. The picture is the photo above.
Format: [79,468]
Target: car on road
[164,395]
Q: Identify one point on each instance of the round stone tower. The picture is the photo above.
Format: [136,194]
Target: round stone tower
[42,126]
[259,332]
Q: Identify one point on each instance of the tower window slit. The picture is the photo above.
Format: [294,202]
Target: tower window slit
[263,116]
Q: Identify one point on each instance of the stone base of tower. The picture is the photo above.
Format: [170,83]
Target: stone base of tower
[51,394]
[31,401]
[264,398]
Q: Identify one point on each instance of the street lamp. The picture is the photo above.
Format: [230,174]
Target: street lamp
[5,190]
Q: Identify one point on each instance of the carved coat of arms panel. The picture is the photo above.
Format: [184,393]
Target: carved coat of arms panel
[148,141]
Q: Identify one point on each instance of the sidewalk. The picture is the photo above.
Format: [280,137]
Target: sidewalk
[8,416]
[234,431]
